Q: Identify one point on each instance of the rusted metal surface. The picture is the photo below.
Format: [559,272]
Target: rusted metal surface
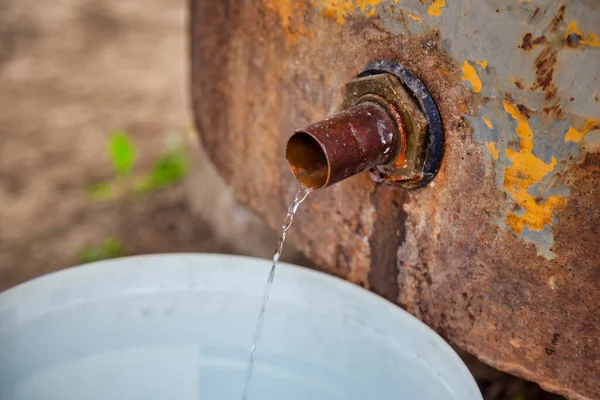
[344,144]
[499,252]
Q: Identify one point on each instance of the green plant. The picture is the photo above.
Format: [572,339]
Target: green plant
[121,153]
[109,248]
[167,170]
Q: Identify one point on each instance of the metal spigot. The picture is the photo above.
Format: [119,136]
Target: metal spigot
[390,126]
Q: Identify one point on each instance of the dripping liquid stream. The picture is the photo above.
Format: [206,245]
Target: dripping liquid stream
[287,223]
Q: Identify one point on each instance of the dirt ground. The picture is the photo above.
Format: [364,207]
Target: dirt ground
[70,74]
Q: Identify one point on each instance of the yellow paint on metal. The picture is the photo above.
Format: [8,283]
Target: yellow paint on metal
[487,122]
[291,13]
[340,9]
[525,171]
[290,17]
[493,150]
[470,75]
[483,63]
[592,39]
[575,135]
[415,18]
[435,9]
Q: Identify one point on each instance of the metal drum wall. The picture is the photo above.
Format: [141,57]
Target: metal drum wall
[499,253]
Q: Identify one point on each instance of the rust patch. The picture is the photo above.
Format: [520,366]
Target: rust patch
[290,15]
[553,111]
[545,63]
[389,233]
[558,19]
[528,42]
[519,84]
[573,40]
[523,109]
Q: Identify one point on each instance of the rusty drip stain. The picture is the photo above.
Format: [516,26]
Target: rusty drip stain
[554,111]
[403,21]
[544,65]
[389,232]
[558,18]
[519,84]
[526,111]
[546,62]
[528,42]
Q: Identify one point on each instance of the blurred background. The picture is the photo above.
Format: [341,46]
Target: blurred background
[99,158]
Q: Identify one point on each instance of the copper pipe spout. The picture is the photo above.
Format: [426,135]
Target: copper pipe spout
[355,140]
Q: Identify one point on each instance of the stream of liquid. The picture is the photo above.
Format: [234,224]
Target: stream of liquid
[287,223]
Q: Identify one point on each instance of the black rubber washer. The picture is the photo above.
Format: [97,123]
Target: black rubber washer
[435,145]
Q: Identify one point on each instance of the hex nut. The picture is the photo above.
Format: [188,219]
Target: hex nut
[407,167]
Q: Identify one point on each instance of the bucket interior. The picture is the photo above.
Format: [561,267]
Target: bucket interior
[182,326]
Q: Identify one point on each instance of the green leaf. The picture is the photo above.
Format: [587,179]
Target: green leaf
[121,152]
[100,191]
[167,170]
[109,248]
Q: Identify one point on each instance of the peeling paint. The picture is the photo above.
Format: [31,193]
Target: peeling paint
[592,39]
[525,171]
[487,122]
[493,150]
[531,170]
[291,13]
[435,9]
[575,135]
[470,75]
[415,18]
[340,9]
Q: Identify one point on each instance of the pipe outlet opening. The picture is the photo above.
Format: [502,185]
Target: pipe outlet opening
[307,160]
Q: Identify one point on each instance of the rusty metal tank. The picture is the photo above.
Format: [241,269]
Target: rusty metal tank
[499,252]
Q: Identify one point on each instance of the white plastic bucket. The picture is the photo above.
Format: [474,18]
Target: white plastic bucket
[181,327]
